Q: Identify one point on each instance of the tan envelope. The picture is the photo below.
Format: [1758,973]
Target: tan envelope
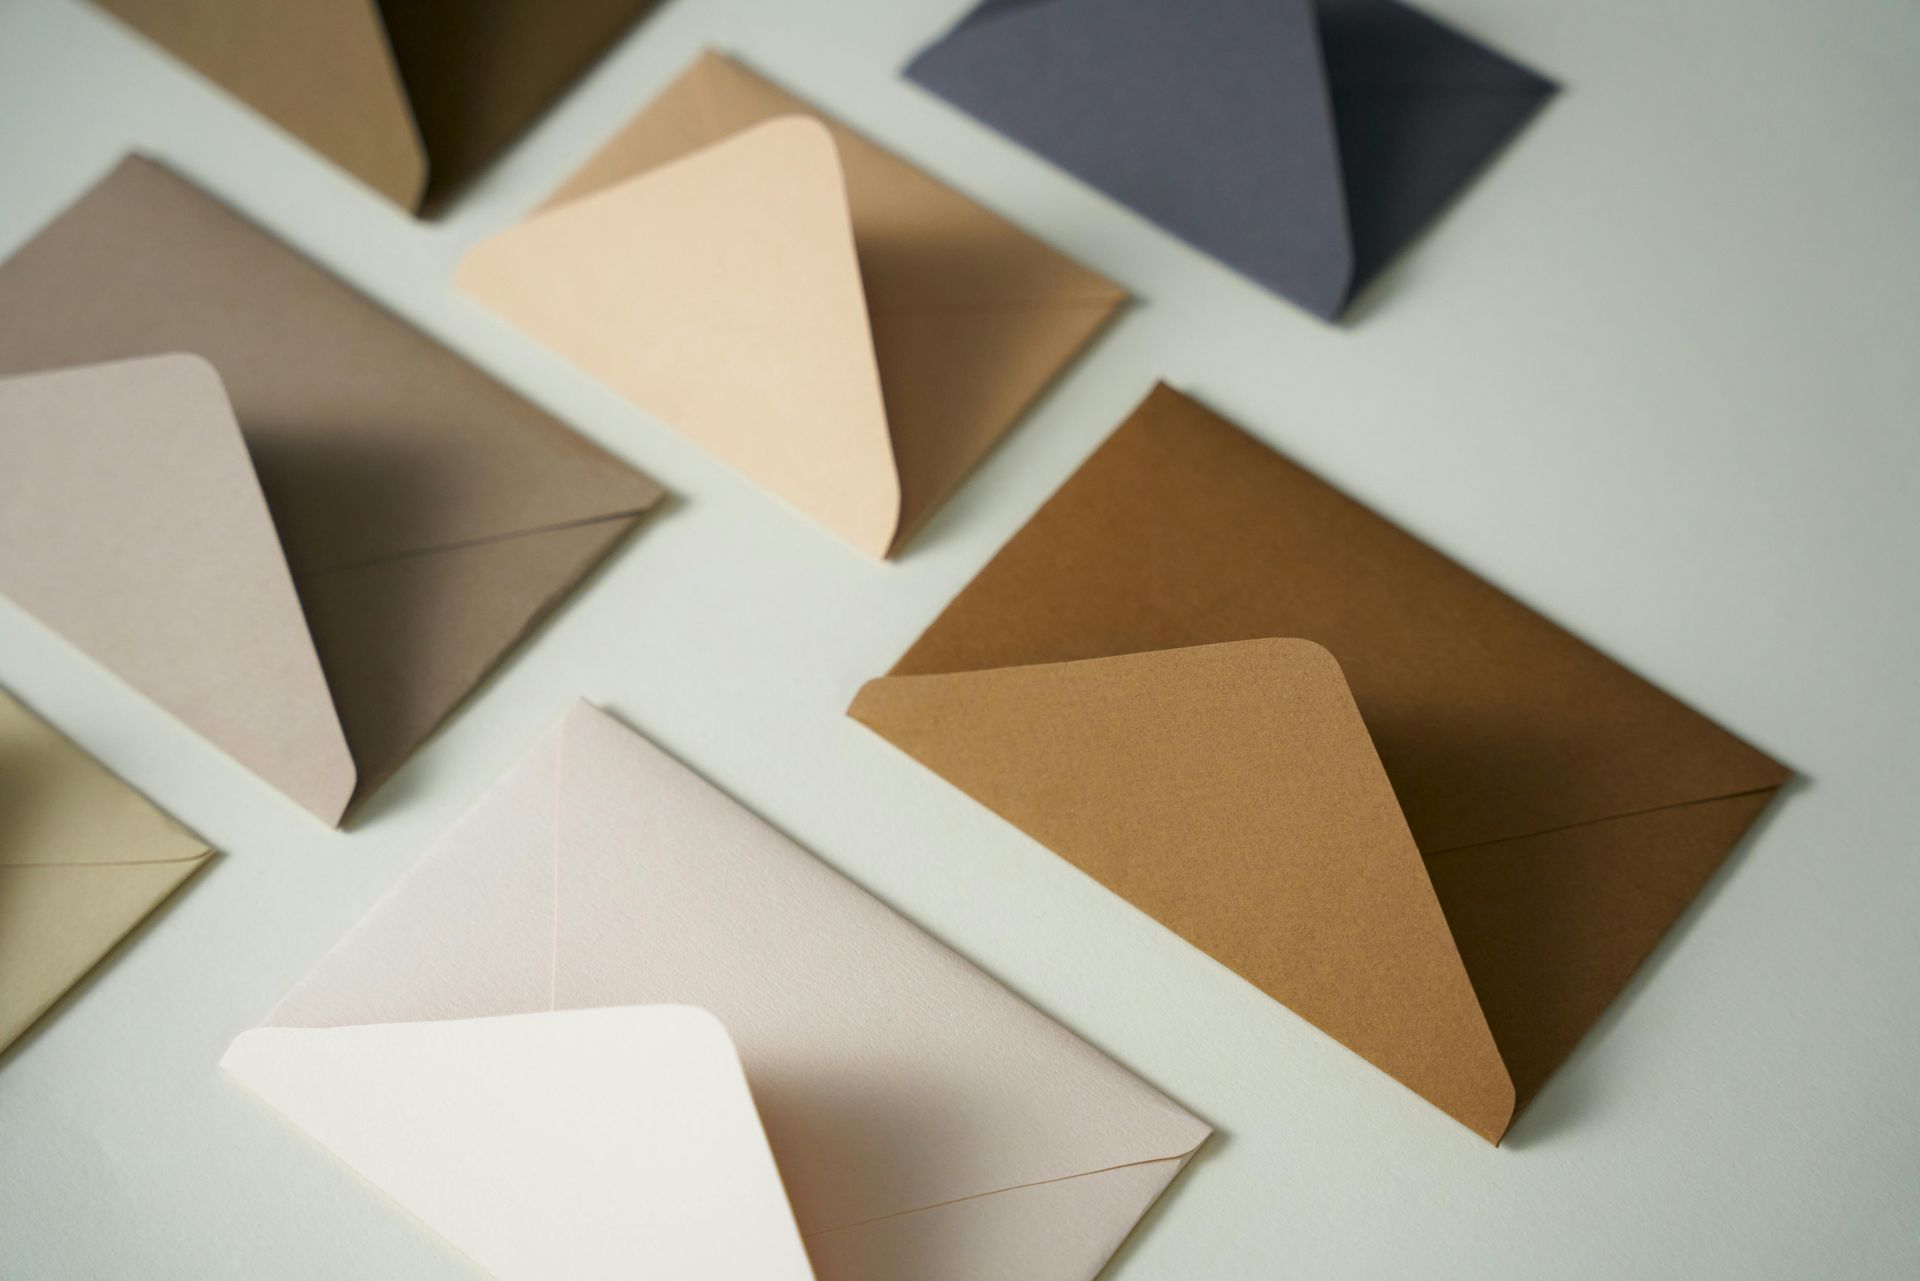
[831,321]
[1151,679]
[412,97]
[928,1123]
[429,517]
[83,860]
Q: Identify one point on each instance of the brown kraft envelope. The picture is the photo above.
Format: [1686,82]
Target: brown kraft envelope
[428,516]
[412,97]
[1428,820]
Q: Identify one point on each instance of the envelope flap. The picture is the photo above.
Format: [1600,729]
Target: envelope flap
[1231,792]
[61,808]
[132,524]
[594,1145]
[1491,721]
[371,441]
[892,1075]
[721,292]
[320,69]
[1213,122]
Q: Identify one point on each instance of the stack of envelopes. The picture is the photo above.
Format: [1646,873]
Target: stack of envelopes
[427,516]
[837,325]
[1394,798]
[927,1122]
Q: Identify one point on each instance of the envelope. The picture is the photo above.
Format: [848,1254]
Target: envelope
[586,1144]
[429,517]
[928,1123]
[1304,143]
[83,860]
[829,320]
[1397,800]
[412,97]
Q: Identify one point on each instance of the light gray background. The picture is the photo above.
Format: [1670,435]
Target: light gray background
[1656,374]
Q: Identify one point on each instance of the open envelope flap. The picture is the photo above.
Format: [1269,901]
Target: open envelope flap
[320,69]
[1231,792]
[721,292]
[1213,120]
[83,859]
[132,524]
[582,1144]
[971,316]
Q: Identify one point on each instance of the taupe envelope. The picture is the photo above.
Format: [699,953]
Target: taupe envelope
[834,323]
[1152,678]
[412,97]
[428,516]
[83,860]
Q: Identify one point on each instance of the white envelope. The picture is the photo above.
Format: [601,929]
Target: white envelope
[929,1124]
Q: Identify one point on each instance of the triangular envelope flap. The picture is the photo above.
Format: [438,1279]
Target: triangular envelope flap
[468,932]
[1214,122]
[320,69]
[1491,721]
[370,439]
[132,524]
[892,1074]
[1420,110]
[595,1145]
[1230,792]
[721,292]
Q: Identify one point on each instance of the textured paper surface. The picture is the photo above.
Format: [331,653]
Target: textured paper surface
[1567,811]
[1302,142]
[745,268]
[596,1145]
[83,860]
[412,97]
[926,1121]
[429,516]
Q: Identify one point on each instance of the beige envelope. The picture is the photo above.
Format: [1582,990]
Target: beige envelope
[83,860]
[831,321]
[929,1124]
[429,517]
[412,97]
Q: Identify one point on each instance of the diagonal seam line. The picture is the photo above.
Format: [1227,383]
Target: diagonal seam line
[1011,304]
[1017,1187]
[479,541]
[123,862]
[1592,822]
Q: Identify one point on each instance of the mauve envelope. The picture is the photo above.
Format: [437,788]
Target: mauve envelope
[429,517]
[929,1124]
[1302,142]
[412,97]
[1152,679]
[836,324]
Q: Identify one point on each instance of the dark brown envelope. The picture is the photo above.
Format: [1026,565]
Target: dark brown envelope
[413,97]
[1567,810]
[430,517]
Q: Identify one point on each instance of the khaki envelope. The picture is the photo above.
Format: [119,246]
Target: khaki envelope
[429,517]
[83,860]
[412,97]
[928,1123]
[825,317]
[1152,678]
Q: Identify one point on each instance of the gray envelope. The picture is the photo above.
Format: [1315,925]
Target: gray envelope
[1302,142]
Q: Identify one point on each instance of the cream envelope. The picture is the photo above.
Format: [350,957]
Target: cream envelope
[83,860]
[929,1124]
[595,1145]
[826,318]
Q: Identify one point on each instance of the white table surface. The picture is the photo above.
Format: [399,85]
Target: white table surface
[1658,375]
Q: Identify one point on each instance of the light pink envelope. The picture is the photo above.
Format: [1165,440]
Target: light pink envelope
[929,1124]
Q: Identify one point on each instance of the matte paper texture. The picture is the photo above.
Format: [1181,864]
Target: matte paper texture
[1302,142]
[428,516]
[829,320]
[927,1122]
[1153,678]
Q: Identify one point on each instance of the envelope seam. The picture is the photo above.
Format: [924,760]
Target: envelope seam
[1609,818]
[123,862]
[465,543]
